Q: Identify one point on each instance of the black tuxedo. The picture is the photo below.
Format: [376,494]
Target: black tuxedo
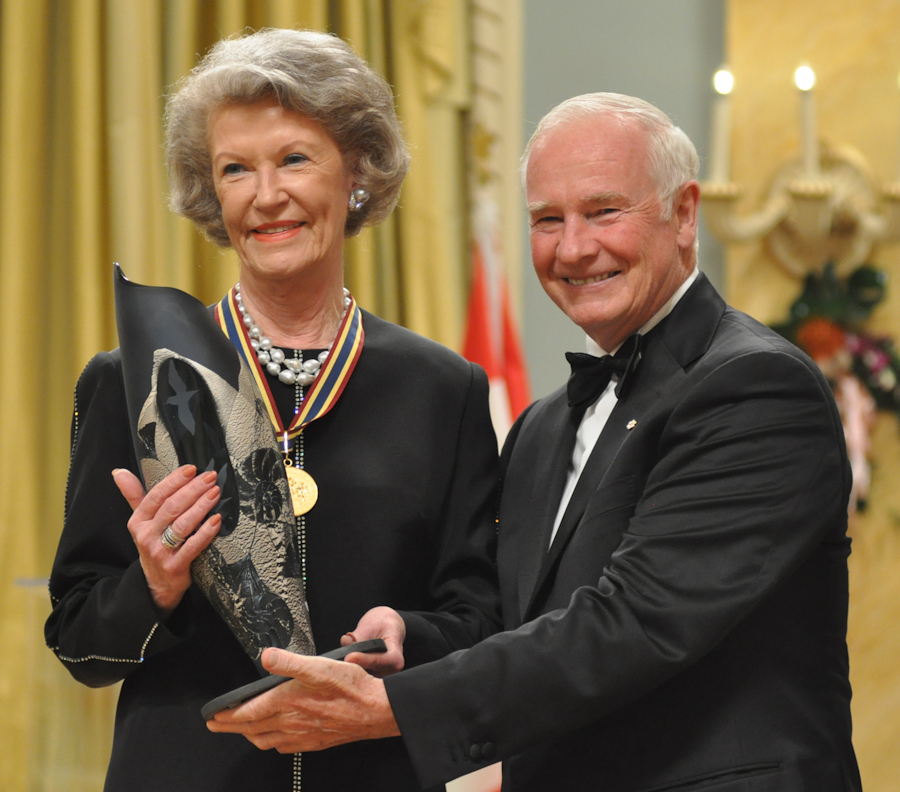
[686,630]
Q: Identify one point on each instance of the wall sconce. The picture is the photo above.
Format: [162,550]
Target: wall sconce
[821,207]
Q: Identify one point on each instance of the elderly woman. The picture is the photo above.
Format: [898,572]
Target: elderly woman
[280,144]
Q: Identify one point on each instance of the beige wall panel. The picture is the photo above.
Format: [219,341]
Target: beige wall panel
[854,49]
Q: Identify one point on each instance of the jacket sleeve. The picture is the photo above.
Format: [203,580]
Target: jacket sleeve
[104,623]
[464,581]
[749,476]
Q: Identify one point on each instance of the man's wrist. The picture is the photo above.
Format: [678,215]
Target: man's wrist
[384,723]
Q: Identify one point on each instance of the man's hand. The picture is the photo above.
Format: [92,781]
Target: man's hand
[384,623]
[327,703]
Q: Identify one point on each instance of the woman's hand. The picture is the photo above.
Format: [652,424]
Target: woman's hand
[384,623]
[180,502]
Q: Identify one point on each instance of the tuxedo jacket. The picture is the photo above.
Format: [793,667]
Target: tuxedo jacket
[406,464]
[686,629]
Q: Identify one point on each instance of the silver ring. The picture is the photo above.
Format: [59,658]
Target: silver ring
[170,539]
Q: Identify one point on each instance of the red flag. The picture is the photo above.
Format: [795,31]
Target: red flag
[492,339]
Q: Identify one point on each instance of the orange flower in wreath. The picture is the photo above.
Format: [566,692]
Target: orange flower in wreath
[821,338]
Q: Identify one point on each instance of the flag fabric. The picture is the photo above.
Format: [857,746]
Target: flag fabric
[492,338]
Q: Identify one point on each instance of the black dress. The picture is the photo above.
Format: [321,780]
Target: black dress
[407,470]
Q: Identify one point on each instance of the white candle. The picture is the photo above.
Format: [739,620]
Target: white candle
[805,79]
[720,142]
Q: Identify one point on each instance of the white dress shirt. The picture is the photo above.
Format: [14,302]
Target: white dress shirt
[596,416]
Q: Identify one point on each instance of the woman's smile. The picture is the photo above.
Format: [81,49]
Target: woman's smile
[276,232]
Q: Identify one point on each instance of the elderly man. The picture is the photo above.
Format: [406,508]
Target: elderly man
[672,531]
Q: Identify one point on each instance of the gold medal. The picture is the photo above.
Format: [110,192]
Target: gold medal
[304,490]
[322,395]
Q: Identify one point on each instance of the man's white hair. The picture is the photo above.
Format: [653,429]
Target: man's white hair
[672,156]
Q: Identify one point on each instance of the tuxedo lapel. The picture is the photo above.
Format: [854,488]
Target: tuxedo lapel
[678,341]
[542,462]
[654,373]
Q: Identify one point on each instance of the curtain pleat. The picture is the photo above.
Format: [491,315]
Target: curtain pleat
[24,235]
[369,272]
[428,65]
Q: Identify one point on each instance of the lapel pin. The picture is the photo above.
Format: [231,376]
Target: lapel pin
[631,424]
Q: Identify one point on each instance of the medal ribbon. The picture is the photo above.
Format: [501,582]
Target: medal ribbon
[331,379]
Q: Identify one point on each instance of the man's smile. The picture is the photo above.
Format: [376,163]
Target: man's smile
[595,279]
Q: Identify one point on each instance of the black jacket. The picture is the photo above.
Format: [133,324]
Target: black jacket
[686,630]
[406,465]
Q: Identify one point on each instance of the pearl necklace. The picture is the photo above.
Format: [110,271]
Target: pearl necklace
[294,371]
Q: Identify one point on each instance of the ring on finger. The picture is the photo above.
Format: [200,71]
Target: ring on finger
[171,539]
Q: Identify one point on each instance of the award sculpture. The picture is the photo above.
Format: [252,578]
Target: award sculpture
[192,400]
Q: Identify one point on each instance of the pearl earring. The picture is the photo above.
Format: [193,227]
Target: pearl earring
[357,198]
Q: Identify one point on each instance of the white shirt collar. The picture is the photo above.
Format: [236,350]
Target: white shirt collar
[593,348]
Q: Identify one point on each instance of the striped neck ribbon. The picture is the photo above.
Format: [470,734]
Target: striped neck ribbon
[330,381]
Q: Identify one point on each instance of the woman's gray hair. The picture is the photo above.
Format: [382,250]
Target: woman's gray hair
[314,74]
[673,158]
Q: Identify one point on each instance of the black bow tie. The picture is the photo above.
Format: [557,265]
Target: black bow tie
[590,374]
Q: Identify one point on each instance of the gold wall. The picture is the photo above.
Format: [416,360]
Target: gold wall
[854,49]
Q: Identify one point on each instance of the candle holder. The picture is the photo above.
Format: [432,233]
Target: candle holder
[834,213]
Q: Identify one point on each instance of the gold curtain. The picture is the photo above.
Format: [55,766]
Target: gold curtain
[82,86]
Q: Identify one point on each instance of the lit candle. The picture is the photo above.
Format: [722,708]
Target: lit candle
[805,79]
[720,143]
